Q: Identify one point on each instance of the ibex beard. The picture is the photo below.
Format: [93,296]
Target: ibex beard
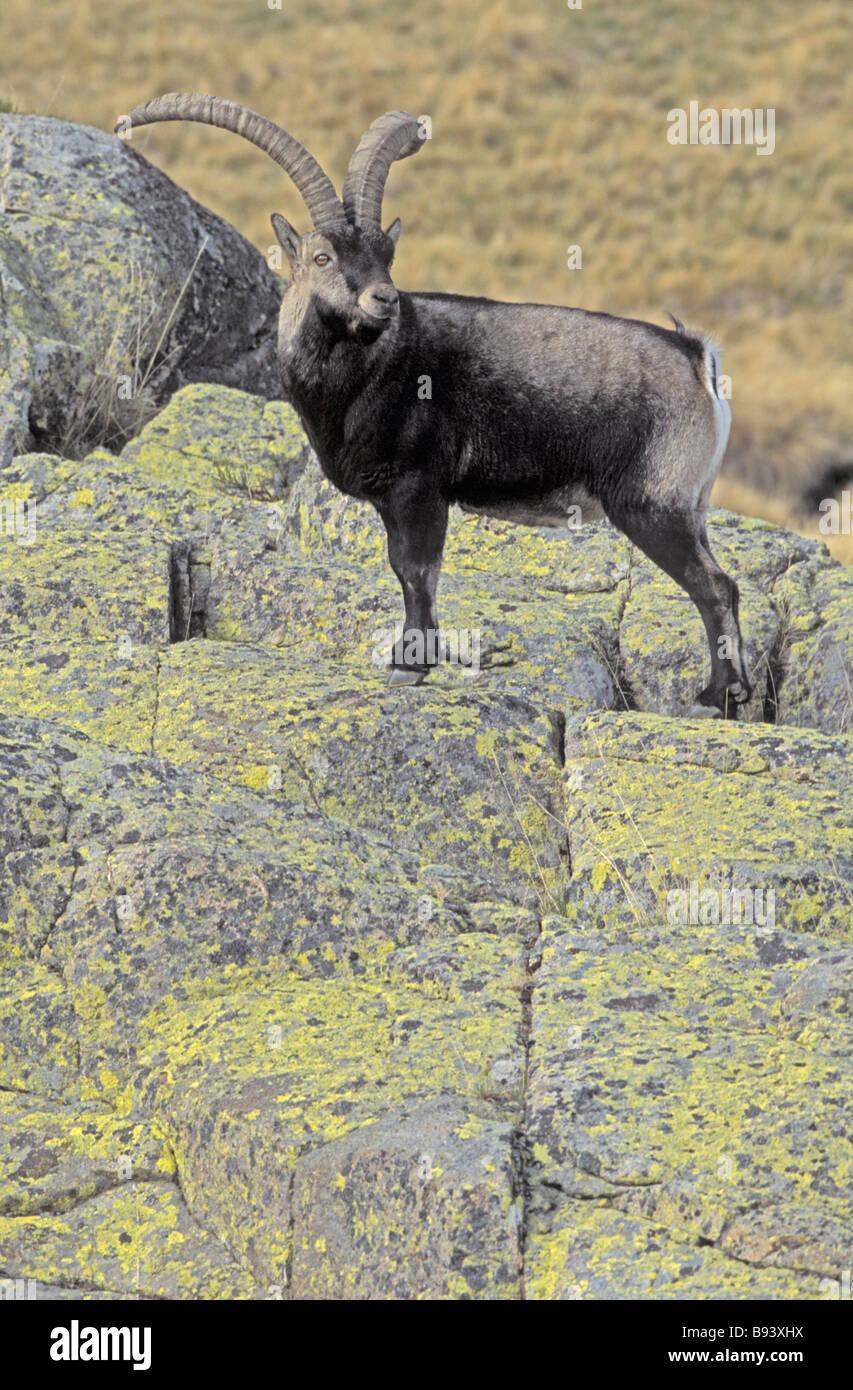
[533,410]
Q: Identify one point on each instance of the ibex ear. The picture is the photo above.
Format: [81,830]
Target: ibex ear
[394,230]
[288,238]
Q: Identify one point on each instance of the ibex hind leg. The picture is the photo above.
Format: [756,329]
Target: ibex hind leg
[677,542]
[734,643]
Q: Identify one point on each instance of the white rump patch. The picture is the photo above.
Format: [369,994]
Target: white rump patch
[722,409]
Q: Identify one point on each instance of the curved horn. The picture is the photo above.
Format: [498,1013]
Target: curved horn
[392,136]
[316,188]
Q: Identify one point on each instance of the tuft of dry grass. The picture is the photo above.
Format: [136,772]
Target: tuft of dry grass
[114,402]
[118,399]
[549,129]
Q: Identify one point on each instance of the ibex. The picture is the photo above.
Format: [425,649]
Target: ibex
[532,411]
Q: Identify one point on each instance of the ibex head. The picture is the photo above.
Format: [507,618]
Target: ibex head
[345,271]
[344,263]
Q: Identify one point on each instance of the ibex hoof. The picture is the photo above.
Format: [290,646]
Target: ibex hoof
[698,711]
[400,676]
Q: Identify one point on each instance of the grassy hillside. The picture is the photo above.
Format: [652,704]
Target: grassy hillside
[549,129]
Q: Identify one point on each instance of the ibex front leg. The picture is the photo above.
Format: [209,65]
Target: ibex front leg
[416,522]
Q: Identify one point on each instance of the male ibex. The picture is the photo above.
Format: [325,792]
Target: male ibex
[534,409]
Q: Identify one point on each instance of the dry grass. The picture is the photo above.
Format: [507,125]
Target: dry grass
[740,497]
[118,400]
[549,129]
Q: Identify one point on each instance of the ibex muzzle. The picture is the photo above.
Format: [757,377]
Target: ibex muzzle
[380,301]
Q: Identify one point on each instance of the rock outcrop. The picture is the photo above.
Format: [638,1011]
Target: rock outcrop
[513,984]
[116,288]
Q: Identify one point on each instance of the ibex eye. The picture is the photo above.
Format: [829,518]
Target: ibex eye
[321,258]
